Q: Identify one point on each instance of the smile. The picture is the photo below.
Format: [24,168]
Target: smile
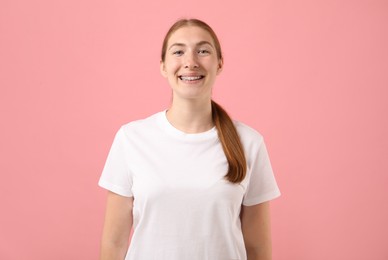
[191,78]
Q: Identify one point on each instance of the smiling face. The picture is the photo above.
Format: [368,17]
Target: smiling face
[191,63]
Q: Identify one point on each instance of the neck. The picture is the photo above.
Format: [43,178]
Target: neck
[191,116]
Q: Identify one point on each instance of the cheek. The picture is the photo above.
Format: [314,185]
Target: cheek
[211,63]
[172,66]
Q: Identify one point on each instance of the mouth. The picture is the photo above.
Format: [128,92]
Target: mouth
[190,78]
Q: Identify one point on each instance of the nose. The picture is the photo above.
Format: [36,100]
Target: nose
[190,61]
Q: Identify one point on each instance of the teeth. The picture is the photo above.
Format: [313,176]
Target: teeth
[190,78]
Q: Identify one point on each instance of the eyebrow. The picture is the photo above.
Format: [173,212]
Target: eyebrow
[198,44]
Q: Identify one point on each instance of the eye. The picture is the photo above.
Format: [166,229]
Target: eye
[178,53]
[203,52]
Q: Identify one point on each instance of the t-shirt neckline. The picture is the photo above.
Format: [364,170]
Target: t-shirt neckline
[170,129]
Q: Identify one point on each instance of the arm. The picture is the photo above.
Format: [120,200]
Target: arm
[255,224]
[117,227]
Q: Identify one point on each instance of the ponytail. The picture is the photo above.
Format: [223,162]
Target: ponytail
[231,144]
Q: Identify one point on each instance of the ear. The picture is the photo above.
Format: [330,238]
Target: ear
[163,69]
[220,66]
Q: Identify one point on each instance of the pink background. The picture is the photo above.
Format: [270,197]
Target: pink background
[311,76]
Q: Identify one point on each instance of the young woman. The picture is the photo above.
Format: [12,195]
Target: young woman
[191,182]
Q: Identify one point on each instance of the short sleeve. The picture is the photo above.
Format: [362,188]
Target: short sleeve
[262,184]
[116,175]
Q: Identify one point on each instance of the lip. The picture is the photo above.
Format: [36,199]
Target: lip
[191,75]
[191,79]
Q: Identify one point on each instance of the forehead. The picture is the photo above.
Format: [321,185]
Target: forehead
[190,35]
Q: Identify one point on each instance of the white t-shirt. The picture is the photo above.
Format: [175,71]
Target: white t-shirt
[184,208]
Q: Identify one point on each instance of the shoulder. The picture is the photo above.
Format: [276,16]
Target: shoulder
[141,125]
[251,140]
[247,133]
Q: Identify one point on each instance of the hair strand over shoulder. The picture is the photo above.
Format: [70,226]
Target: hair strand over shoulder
[231,144]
